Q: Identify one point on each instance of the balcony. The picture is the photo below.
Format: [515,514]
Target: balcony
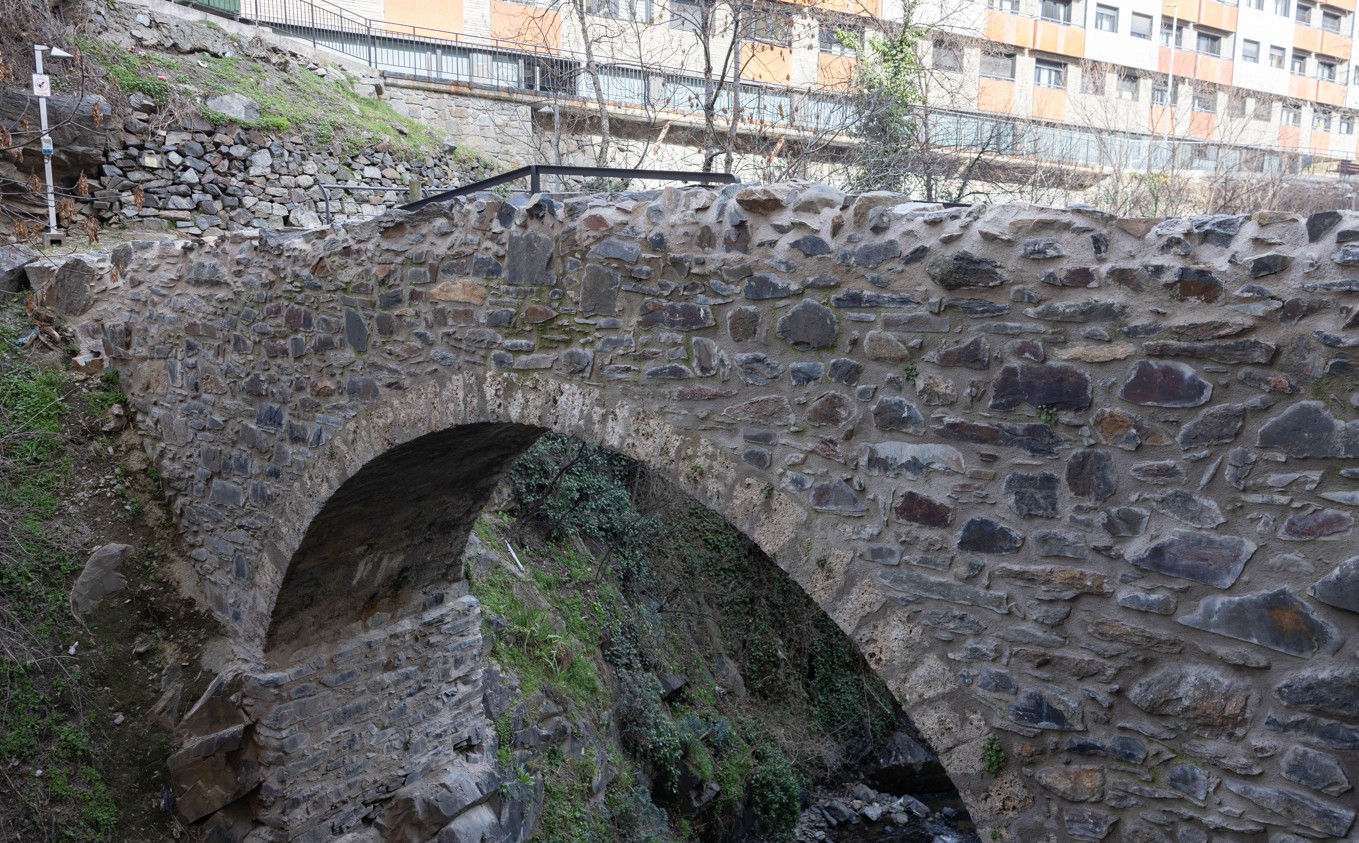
[1206,12]
[1035,34]
[1313,39]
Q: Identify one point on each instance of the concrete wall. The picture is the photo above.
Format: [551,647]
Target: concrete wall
[1075,484]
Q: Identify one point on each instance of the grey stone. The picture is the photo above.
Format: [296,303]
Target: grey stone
[1318,770]
[1154,383]
[1214,426]
[897,414]
[1032,495]
[1124,521]
[236,106]
[13,258]
[1340,588]
[1333,692]
[1141,601]
[1307,429]
[1047,709]
[1213,560]
[1055,386]
[964,270]
[983,535]
[936,588]
[1300,808]
[808,326]
[599,290]
[1204,700]
[1275,619]
[1186,508]
[100,577]
[1086,311]
[1090,474]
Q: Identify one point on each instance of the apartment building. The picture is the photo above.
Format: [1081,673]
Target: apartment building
[1126,84]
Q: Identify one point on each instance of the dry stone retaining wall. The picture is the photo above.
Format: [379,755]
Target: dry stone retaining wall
[1079,485]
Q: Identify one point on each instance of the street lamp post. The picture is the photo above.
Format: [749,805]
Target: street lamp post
[42,89]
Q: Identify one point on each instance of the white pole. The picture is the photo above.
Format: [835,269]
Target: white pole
[1170,86]
[38,50]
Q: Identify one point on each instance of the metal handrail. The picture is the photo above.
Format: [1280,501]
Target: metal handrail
[534,171]
[326,188]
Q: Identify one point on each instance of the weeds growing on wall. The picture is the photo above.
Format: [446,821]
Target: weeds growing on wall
[728,689]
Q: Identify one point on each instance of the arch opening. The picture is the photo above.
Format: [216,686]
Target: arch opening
[376,591]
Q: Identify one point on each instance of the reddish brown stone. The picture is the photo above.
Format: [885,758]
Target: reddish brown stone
[830,410]
[1316,525]
[1165,384]
[536,314]
[918,509]
[1195,283]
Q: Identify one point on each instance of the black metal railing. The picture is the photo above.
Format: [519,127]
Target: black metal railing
[535,172]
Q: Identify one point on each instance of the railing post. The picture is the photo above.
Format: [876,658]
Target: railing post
[312,8]
[533,179]
[372,59]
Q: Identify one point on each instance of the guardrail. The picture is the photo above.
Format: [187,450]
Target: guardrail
[534,172]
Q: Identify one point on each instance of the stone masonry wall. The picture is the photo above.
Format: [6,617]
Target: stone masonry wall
[1081,486]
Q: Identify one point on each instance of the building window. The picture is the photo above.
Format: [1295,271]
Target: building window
[1291,115]
[840,40]
[1049,74]
[1141,26]
[1298,65]
[1276,57]
[1106,18]
[1209,43]
[1092,80]
[1250,51]
[1158,94]
[1166,29]
[1057,10]
[1236,106]
[1346,122]
[1127,87]
[1330,21]
[1205,102]
[1263,109]
[947,56]
[770,27]
[633,10]
[1003,5]
[1321,121]
[1281,7]
[998,66]
[686,15]
[1255,4]
[1326,70]
[1302,13]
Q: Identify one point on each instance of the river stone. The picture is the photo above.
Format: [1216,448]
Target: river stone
[1048,709]
[810,246]
[1160,473]
[982,535]
[1090,474]
[935,588]
[1124,521]
[677,316]
[1037,439]
[1186,508]
[1333,692]
[918,509]
[1306,429]
[762,287]
[1088,824]
[529,259]
[1083,311]
[836,497]
[832,410]
[1189,780]
[1270,263]
[1235,351]
[964,270]
[1124,430]
[892,413]
[1141,601]
[1210,559]
[808,326]
[1156,383]
[1074,783]
[1301,808]
[1055,386]
[1214,426]
[1201,699]
[1319,224]
[1328,524]
[872,255]
[1317,770]
[896,459]
[1276,619]
[973,354]
[1340,588]
[1193,283]
[884,346]
[1032,495]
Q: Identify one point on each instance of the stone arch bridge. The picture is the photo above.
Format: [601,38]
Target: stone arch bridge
[1082,485]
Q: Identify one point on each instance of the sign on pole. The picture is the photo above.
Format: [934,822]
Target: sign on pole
[42,85]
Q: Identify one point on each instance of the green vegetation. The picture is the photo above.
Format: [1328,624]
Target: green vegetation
[720,673]
[324,110]
[993,756]
[46,751]
[1048,415]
